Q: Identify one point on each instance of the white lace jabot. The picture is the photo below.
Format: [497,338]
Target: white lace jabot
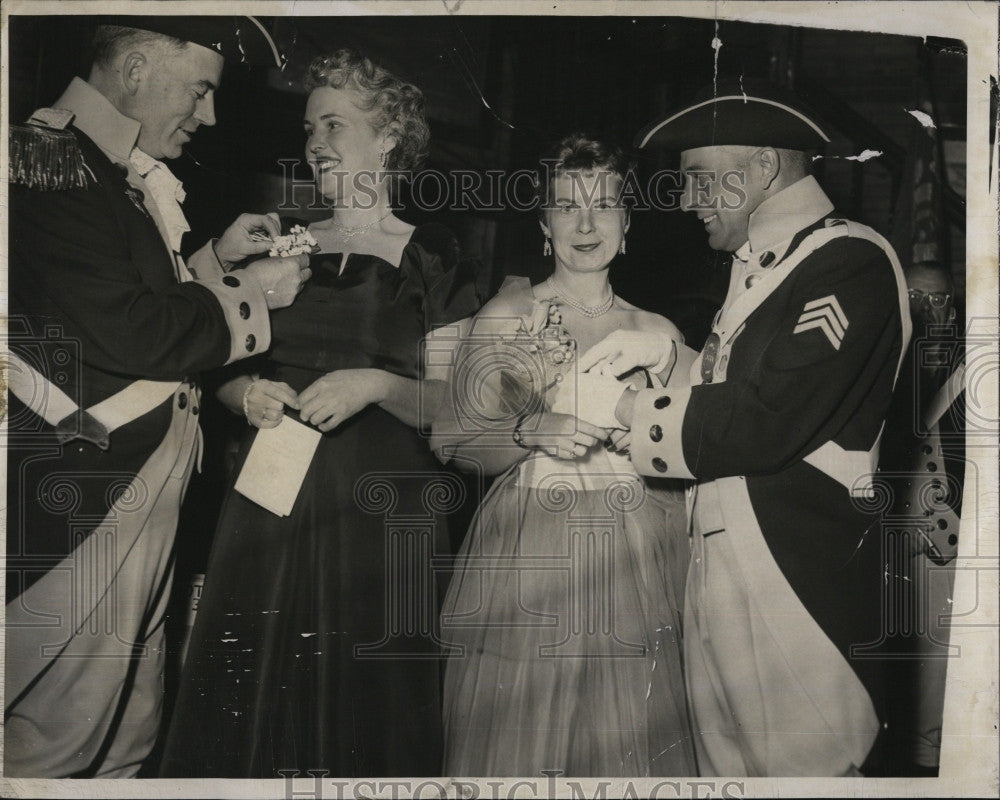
[167,194]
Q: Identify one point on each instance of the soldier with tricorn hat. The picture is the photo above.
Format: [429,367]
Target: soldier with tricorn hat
[779,429]
[108,329]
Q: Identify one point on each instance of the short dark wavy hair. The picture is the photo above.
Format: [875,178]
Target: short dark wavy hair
[578,152]
[392,102]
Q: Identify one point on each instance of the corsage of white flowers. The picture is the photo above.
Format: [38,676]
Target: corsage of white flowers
[557,385]
[296,242]
[529,381]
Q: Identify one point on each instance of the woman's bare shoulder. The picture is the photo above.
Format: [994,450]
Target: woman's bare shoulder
[648,321]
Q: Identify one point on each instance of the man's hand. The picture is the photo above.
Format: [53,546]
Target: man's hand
[622,351]
[239,240]
[281,278]
[625,410]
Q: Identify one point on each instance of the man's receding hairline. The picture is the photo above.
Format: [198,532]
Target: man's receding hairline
[130,39]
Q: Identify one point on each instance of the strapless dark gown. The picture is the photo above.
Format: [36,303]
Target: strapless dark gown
[315,646]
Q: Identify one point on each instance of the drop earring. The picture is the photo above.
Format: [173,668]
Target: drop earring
[547,247]
[621,247]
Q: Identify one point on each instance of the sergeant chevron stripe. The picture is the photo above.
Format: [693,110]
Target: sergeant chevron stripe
[826,315]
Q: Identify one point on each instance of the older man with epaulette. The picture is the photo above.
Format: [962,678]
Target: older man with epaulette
[779,429]
[108,329]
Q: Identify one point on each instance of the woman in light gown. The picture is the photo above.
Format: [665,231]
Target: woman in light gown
[294,663]
[563,615]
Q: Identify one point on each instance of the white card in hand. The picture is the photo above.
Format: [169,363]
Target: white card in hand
[276,465]
[591,397]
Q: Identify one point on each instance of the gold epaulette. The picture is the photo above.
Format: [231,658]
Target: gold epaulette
[46,156]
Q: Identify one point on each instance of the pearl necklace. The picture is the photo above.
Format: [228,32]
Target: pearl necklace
[349,233]
[587,311]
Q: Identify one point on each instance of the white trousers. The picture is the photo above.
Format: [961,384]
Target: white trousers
[85,644]
[770,694]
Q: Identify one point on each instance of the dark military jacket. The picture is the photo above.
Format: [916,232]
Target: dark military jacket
[95,304]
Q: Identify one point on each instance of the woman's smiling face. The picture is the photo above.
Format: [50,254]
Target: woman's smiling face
[585,219]
[341,144]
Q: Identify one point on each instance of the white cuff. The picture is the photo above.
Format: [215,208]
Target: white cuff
[657,425]
[242,302]
[205,265]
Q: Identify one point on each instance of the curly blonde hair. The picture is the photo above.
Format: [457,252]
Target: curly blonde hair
[393,103]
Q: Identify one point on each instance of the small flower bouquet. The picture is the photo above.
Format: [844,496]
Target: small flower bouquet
[535,359]
[296,242]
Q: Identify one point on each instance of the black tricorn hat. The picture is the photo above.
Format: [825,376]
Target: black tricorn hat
[241,39]
[729,113]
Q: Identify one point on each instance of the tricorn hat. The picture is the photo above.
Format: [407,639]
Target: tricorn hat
[729,113]
[241,39]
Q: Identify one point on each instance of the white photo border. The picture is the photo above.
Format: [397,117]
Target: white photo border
[969,755]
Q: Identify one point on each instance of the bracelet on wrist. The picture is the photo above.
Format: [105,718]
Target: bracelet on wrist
[246,399]
[517,435]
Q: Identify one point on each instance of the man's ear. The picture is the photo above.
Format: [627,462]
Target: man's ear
[628,218]
[133,71]
[770,165]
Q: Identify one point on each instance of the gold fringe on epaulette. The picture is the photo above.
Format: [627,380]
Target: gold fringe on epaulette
[47,160]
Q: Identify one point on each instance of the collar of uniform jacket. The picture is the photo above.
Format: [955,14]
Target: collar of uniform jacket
[94,114]
[775,222]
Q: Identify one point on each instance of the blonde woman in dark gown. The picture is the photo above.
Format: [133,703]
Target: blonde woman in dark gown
[291,664]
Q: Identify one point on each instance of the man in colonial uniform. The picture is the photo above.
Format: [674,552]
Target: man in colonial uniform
[779,429]
[108,330]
